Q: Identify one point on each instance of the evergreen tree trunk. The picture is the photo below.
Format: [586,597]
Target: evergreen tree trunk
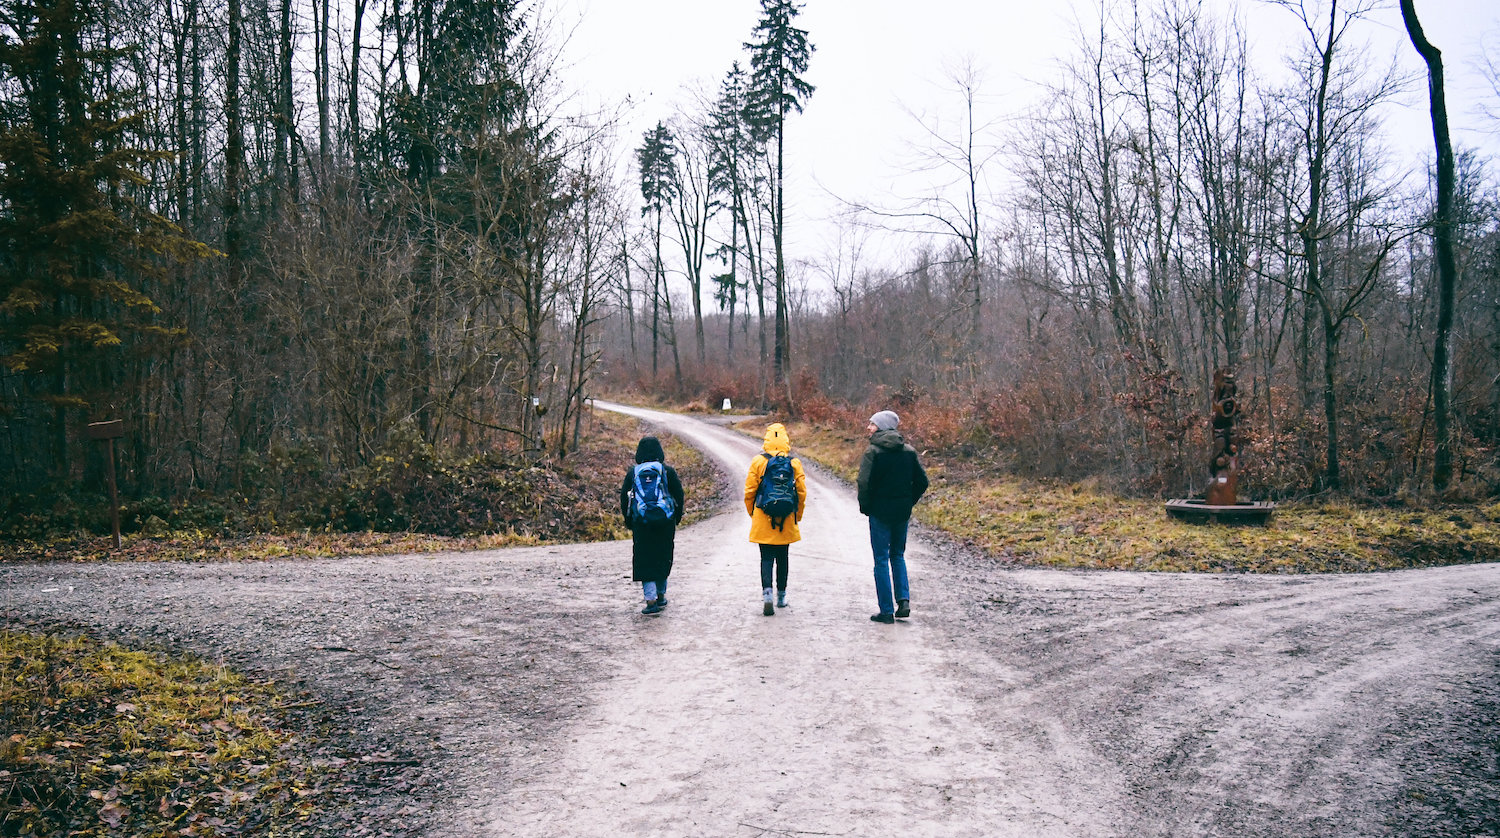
[658,280]
[783,338]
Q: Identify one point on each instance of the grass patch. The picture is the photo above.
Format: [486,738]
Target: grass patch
[199,546]
[703,484]
[1072,526]
[1077,526]
[106,741]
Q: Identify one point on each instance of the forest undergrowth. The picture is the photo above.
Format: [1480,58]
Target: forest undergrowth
[411,500]
[976,500]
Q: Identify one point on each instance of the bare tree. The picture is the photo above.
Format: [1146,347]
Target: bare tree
[595,219]
[951,162]
[692,205]
[1332,113]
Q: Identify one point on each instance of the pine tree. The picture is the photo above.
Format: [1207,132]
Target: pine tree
[733,155]
[656,161]
[75,247]
[778,58]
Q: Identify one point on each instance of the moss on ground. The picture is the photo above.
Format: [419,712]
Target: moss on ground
[107,741]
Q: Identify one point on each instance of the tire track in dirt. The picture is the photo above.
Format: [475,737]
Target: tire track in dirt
[1238,705]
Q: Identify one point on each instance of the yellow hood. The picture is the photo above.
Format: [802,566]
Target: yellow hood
[777,442]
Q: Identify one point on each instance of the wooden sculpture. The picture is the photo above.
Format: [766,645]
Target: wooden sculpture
[1225,466]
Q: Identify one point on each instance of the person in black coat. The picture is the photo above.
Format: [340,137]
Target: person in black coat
[651,541]
[891,481]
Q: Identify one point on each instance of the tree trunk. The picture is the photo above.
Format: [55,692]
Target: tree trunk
[629,291]
[286,147]
[781,366]
[324,66]
[657,281]
[1442,354]
[354,50]
[1332,477]
[234,149]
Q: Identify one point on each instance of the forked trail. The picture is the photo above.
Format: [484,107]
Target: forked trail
[534,699]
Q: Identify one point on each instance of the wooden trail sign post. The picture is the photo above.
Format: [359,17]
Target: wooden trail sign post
[109,432]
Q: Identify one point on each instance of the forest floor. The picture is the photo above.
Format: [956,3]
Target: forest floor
[1070,525]
[520,692]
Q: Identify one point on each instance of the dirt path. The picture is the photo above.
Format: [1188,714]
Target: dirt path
[537,702]
[721,721]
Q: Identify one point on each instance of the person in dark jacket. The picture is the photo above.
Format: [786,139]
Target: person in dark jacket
[651,542]
[891,481]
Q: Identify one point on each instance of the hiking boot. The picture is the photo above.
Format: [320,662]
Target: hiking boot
[661,602]
[781,599]
[769,609]
[652,607]
[903,608]
[883,618]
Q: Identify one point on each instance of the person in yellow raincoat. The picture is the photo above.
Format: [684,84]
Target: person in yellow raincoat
[773,534]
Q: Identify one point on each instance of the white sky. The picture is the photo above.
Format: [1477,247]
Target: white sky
[873,56]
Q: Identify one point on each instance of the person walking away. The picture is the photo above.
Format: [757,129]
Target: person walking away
[775,496]
[891,481]
[651,501]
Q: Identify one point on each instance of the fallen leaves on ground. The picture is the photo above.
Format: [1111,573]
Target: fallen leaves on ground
[107,741]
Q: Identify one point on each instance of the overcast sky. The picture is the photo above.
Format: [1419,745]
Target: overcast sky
[878,60]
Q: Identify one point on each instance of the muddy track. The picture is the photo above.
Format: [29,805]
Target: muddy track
[533,699]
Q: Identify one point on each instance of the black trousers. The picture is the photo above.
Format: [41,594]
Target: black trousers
[774,554]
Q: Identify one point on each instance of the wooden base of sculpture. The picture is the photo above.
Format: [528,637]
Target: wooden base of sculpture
[1195,511]
[1221,492]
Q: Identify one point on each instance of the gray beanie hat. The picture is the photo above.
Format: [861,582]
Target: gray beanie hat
[885,420]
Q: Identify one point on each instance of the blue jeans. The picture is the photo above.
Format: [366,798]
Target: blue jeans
[653,590]
[888,541]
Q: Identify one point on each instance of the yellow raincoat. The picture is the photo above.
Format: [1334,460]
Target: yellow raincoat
[761,529]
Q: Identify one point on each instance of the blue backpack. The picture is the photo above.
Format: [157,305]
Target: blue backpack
[653,503]
[777,494]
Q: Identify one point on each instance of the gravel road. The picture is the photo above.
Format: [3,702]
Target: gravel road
[532,699]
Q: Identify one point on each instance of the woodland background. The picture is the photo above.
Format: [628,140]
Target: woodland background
[298,247]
